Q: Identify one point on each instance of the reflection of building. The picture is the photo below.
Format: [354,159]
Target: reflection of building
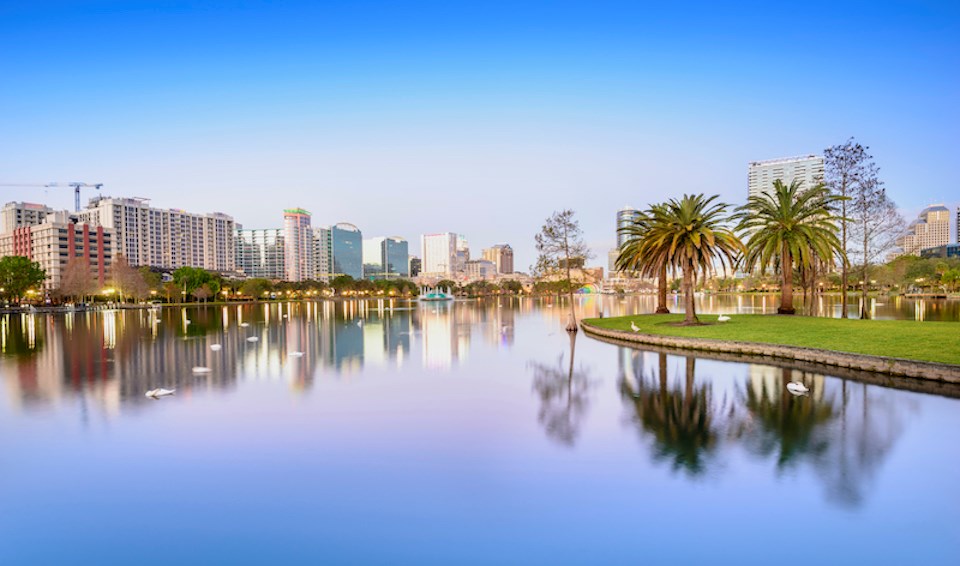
[56,241]
[165,238]
[502,257]
[260,253]
[297,245]
[761,174]
[931,229]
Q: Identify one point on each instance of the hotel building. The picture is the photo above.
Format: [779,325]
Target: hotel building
[761,174]
[931,229]
[439,254]
[502,257]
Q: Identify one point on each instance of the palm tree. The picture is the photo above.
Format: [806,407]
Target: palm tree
[638,254]
[788,227]
[689,235]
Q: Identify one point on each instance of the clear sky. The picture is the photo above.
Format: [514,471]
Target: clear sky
[480,118]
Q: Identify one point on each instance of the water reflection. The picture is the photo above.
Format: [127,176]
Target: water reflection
[564,396]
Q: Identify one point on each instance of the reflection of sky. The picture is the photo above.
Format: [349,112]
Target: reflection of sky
[269,454]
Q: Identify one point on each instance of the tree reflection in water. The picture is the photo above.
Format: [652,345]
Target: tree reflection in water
[681,419]
[564,396]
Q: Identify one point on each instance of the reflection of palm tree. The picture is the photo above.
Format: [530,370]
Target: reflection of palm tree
[563,397]
[788,425]
[681,420]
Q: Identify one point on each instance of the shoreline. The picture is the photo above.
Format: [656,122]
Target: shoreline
[898,367]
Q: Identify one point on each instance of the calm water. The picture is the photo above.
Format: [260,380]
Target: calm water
[450,434]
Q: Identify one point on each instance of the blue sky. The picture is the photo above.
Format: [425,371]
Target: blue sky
[479,118]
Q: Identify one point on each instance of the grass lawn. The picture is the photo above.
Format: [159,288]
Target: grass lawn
[925,341]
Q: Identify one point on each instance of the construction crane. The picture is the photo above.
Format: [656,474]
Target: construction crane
[76,188]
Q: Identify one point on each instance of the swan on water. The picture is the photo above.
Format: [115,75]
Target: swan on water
[797,388]
[215,347]
[723,318]
[634,327]
[244,324]
[201,369]
[160,392]
[295,354]
[253,339]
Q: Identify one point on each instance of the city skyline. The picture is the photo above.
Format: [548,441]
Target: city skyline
[310,105]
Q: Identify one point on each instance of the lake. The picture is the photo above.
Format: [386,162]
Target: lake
[469,433]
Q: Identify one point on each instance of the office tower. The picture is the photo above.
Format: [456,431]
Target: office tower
[346,250]
[625,217]
[298,245]
[167,239]
[480,269]
[53,242]
[502,256]
[929,230]
[321,254]
[260,253]
[762,174]
[463,254]
[958,224]
[440,254]
[17,214]
[385,258]
[373,258]
[415,266]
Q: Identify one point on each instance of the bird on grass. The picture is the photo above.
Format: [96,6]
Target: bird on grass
[634,327]
[723,318]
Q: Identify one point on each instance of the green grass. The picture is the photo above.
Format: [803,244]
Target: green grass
[907,339]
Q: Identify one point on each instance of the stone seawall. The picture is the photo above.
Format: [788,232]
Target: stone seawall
[891,366]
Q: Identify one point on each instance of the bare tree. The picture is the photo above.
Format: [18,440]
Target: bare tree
[844,165]
[202,293]
[128,280]
[77,280]
[874,225]
[560,243]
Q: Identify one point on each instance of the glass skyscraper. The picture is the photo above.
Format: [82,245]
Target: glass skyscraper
[347,250]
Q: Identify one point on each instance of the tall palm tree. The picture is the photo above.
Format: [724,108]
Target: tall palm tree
[638,254]
[689,235]
[790,226]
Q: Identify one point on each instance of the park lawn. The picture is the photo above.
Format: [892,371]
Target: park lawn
[907,339]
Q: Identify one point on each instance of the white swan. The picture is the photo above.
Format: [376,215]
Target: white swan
[634,327]
[797,388]
[215,347]
[295,354]
[201,369]
[253,339]
[244,324]
[723,318]
[160,392]
[188,321]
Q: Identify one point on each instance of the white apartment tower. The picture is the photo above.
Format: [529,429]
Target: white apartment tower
[439,254]
[761,174]
[298,245]
[167,239]
[930,230]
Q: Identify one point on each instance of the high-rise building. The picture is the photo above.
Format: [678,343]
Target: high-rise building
[929,230]
[260,253]
[625,217]
[17,214]
[385,258]
[463,254]
[415,265]
[480,269]
[440,254]
[58,239]
[761,174]
[298,245]
[346,250]
[502,256]
[167,239]
[373,258]
[958,224]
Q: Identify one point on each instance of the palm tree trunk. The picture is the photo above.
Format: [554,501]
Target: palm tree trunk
[690,316]
[786,289]
[662,290]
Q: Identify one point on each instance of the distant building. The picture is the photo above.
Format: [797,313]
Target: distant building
[260,253]
[502,257]
[298,246]
[18,214]
[944,251]
[53,242]
[612,256]
[440,254]
[480,269]
[761,174]
[322,254]
[625,217]
[164,238]
[346,251]
[463,254]
[385,258]
[414,266]
[931,229]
